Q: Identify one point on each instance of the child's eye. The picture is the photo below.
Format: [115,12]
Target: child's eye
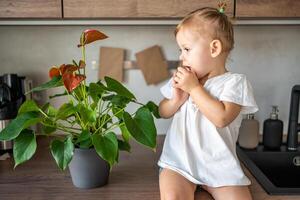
[186,49]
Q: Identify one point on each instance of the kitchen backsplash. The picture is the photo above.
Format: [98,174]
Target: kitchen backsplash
[268,55]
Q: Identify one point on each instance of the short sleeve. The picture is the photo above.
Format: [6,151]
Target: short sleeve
[239,90]
[166,90]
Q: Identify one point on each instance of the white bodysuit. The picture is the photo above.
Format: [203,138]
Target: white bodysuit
[195,148]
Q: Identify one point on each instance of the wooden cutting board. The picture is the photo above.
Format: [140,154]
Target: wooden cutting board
[153,65]
[111,63]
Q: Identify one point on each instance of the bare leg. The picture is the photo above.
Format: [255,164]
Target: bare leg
[174,186]
[229,192]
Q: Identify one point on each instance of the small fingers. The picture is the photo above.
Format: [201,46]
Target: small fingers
[173,81]
[176,79]
[182,70]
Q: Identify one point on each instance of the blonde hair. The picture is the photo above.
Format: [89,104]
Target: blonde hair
[211,22]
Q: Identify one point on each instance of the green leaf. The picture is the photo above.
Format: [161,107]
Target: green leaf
[21,122]
[125,132]
[51,111]
[106,147]
[124,146]
[94,105]
[65,111]
[84,140]
[142,127]
[24,146]
[120,101]
[79,93]
[28,106]
[87,114]
[62,152]
[58,95]
[118,112]
[108,97]
[145,121]
[95,91]
[153,108]
[48,126]
[54,82]
[48,129]
[116,86]
[102,86]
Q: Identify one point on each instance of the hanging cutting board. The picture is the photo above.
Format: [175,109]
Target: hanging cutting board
[111,63]
[152,64]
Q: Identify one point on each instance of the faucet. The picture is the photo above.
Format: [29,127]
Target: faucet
[294,126]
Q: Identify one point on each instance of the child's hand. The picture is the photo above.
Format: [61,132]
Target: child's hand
[185,79]
[178,94]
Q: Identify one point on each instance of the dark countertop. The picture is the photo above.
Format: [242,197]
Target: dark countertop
[134,177]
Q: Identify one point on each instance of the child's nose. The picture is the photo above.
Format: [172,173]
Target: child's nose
[180,56]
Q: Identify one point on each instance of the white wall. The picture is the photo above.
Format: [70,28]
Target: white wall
[268,55]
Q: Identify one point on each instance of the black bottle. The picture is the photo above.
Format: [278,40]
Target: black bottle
[272,130]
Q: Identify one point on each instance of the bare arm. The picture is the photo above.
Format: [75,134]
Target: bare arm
[168,107]
[220,113]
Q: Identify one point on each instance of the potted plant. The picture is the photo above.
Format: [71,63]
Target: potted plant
[87,122]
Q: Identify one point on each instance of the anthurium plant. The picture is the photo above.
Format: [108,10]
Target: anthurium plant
[89,118]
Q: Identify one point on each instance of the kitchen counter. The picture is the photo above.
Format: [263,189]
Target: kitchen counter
[134,177]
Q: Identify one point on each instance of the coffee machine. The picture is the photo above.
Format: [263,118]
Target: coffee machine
[12,89]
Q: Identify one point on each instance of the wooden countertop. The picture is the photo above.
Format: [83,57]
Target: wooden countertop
[134,177]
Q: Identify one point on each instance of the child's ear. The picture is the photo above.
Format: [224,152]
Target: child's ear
[215,48]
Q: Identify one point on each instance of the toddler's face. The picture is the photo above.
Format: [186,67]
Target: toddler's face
[195,51]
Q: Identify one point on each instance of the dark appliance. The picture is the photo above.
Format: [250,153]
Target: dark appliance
[11,98]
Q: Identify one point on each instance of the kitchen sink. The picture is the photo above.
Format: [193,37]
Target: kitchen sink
[277,171]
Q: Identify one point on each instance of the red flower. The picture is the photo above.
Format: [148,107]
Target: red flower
[70,79]
[54,72]
[67,68]
[90,36]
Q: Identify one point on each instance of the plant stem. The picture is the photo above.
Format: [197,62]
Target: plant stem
[84,58]
[101,121]
[102,124]
[105,110]
[78,129]
[60,127]
[112,127]
[81,123]
[75,96]
[134,101]
[43,113]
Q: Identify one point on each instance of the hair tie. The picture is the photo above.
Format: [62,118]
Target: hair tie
[222,6]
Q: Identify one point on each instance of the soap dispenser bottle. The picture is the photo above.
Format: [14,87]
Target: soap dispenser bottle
[249,132]
[272,130]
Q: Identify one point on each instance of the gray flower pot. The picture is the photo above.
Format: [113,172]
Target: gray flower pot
[88,169]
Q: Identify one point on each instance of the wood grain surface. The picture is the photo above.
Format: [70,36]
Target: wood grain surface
[136,8]
[267,8]
[135,177]
[30,9]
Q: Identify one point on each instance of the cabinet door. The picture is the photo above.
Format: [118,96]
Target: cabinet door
[136,8]
[267,8]
[30,9]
